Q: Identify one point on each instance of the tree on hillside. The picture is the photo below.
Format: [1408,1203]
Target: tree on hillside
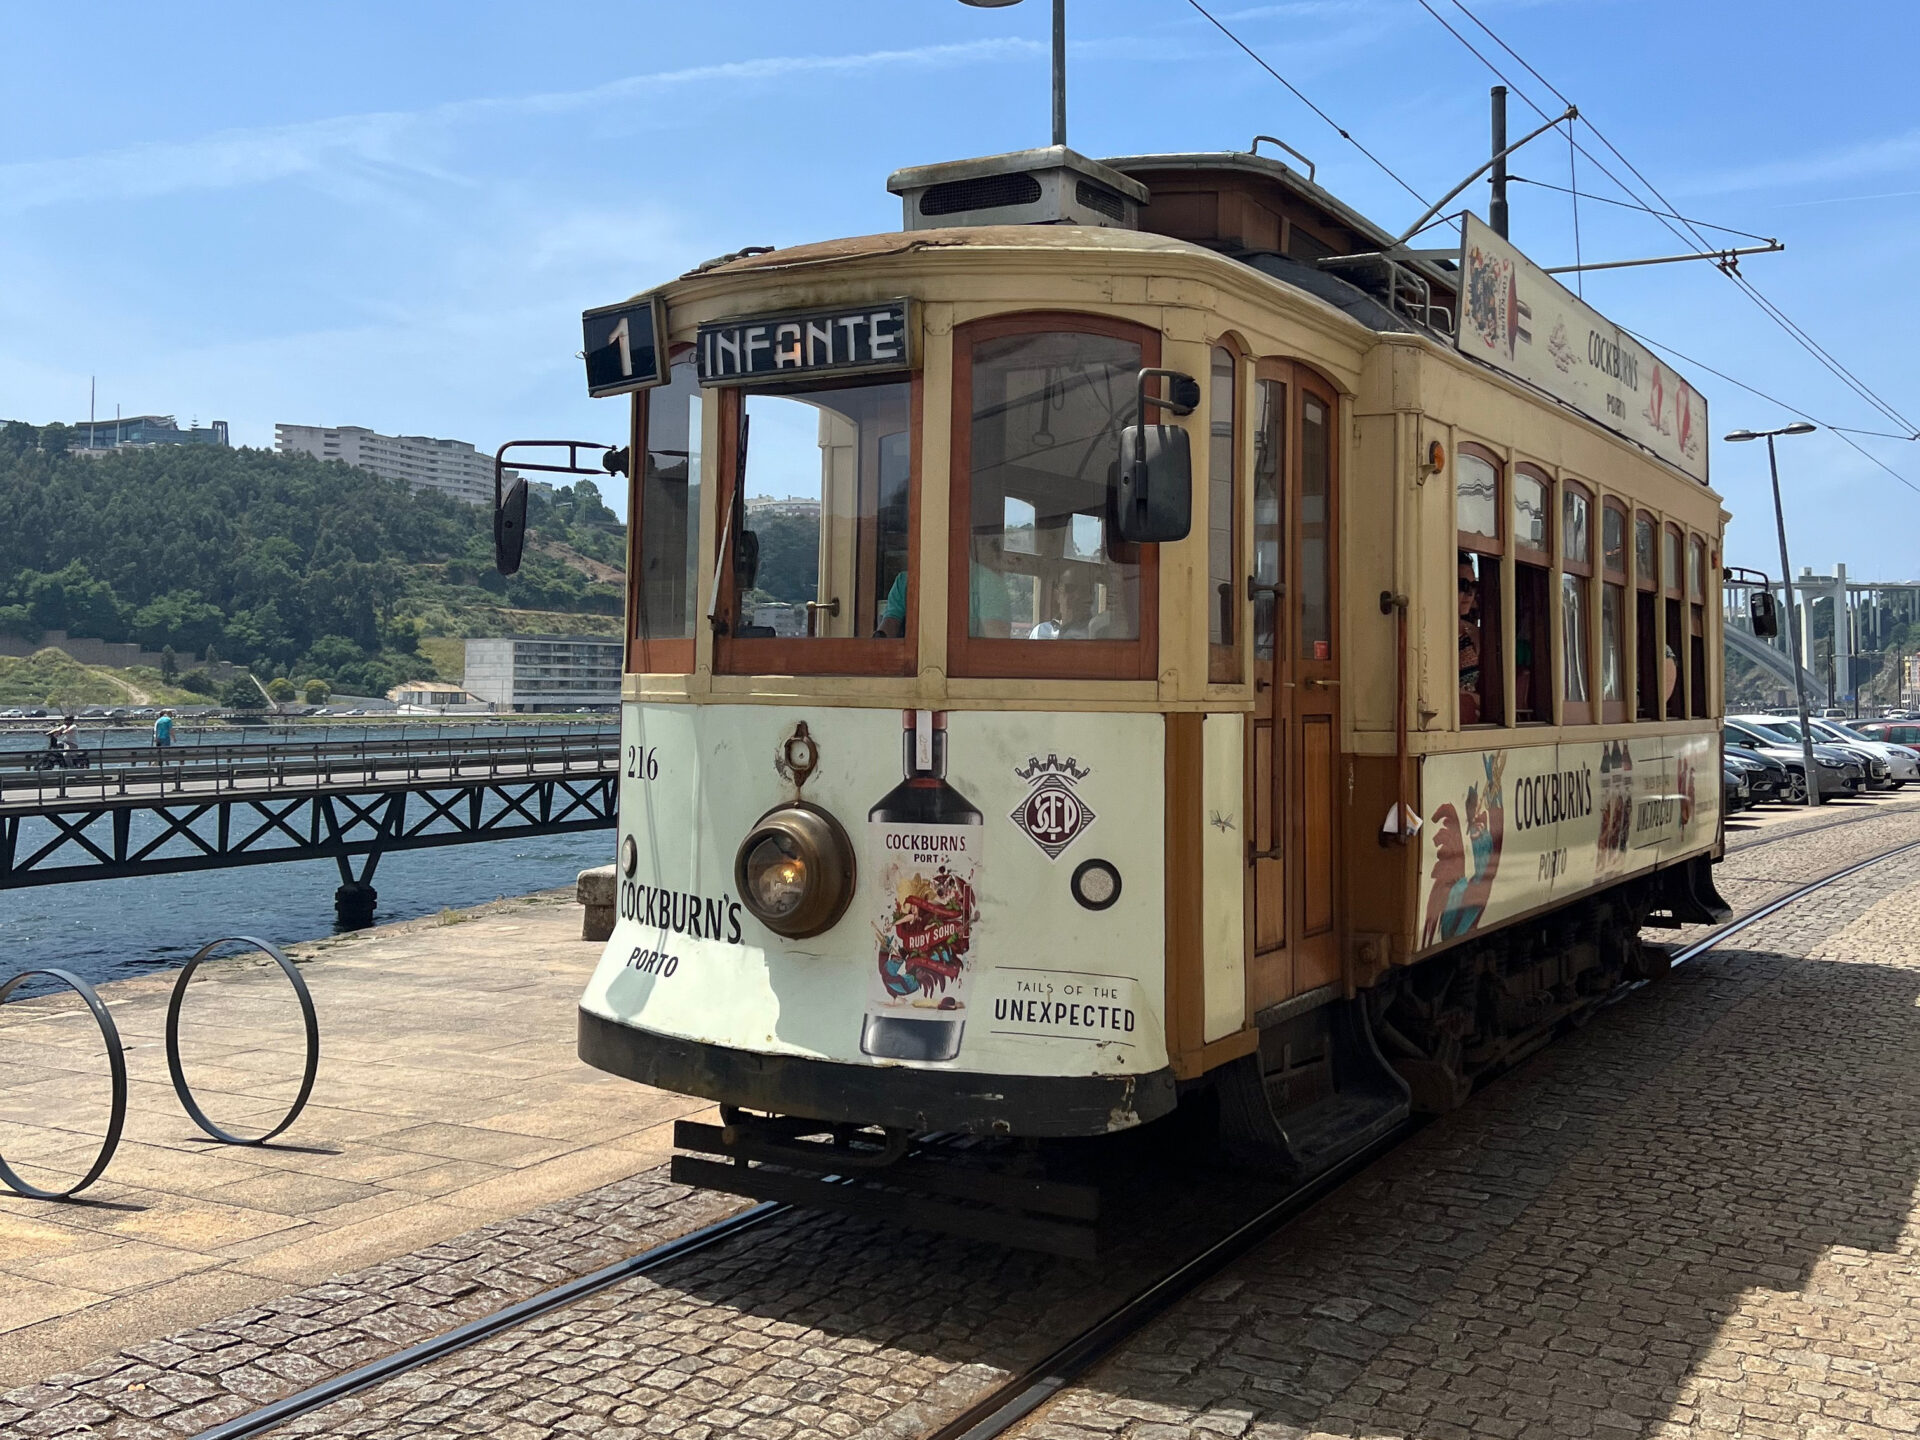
[169,664]
[242,694]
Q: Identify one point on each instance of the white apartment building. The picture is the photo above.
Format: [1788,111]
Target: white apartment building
[545,672]
[452,467]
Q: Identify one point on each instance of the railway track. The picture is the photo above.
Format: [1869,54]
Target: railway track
[1737,844]
[1002,1408]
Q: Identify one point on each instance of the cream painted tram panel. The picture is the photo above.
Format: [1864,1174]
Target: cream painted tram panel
[1054,989]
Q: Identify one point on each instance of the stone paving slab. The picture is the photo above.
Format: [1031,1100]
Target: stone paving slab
[1697,1217]
[448,1096]
[1589,1248]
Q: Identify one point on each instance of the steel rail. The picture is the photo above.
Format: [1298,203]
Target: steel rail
[1013,1401]
[306,1401]
[1853,818]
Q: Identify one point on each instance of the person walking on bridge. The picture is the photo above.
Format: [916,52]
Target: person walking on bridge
[163,730]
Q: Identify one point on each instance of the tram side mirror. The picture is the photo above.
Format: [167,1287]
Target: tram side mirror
[1153,494]
[1764,614]
[510,528]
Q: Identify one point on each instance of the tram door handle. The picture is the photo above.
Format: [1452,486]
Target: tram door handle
[814,607]
[1313,682]
[1255,589]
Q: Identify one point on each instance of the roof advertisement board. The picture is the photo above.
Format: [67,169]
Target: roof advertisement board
[1519,319]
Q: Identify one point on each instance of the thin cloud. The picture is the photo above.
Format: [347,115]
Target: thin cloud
[1891,153]
[392,141]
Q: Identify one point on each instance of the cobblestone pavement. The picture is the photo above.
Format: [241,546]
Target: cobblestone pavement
[449,1095]
[1692,1216]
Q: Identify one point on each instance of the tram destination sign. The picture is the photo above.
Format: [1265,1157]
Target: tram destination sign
[1519,319]
[791,345]
[626,345]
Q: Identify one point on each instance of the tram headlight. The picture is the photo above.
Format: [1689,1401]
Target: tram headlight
[794,871]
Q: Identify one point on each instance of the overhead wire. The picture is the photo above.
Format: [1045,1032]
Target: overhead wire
[1640,205]
[1766,305]
[1843,431]
[1254,56]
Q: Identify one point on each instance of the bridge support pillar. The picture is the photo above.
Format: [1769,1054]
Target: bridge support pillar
[353,905]
[355,898]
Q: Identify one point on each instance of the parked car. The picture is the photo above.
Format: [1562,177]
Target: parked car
[1734,791]
[1839,772]
[1878,774]
[1767,780]
[1903,764]
[1894,730]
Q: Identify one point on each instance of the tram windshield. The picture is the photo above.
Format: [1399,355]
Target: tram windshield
[827,485]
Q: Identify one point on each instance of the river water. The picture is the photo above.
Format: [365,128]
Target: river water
[110,929]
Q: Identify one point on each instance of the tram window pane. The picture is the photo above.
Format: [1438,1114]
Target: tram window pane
[1670,665]
[1480,702]
[1529,512]
[1573,625]
[1670,561]
[1316,581]
[1532,644]
[1646,668]
[1613,679]
[1697,662]
[1643,552]
[670,510]
[1576,543]
[1269,511]
[827,486]
[1047,412]
[1697,568]
[1222,446]
[1613,540]
[1476,497]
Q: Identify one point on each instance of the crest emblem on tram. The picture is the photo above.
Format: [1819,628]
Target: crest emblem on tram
[1053,815]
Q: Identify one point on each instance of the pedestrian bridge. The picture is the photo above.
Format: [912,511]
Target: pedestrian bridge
[149,811]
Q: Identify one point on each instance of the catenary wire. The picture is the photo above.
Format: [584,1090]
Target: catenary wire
[1753,292]
[1640,205]
[1845,432]
[1253,55]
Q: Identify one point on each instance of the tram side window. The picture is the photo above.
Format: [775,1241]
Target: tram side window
[1697,627]
[1576,602]
[824,499]
[1047,413]
[1613,613]
[667,527]
[1532,620]
[1223,661]
[1646,634]
[1269,509]
[1670,687]
[1481,543]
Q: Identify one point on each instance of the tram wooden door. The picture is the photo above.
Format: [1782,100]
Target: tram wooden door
[1294,738]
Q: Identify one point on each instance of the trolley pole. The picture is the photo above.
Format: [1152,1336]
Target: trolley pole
[1060,72]
[1497,207]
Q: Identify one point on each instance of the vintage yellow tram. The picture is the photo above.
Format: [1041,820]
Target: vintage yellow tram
[1000,761]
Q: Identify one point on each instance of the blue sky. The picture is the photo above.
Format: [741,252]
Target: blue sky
[391,214]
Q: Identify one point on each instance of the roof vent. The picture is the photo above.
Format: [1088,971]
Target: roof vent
[1054,186]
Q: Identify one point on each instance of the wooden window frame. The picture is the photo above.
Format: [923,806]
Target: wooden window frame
[1472,539]
[1493,547]
[833,655]
[644,654]
[1617,712]
[1650,580]
[1543,559]
[1581,712]
[972,656]
[1225,665]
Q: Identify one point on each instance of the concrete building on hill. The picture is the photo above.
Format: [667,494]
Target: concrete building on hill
[97,435]
[545,672]
[453,467]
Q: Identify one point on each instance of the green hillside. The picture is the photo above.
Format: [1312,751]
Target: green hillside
[282,563]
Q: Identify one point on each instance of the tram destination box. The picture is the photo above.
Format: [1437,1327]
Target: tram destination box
[625,345]
[802,344]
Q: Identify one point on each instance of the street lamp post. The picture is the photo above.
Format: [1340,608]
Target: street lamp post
[1799,427]
[1059,60]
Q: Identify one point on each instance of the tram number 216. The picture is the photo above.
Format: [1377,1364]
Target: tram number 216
[643,762]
